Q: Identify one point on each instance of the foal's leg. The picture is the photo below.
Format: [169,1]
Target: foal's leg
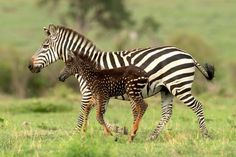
[87,104]
[100,107]
[141,107]
[135,110]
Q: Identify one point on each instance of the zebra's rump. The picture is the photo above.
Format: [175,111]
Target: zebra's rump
[167,66]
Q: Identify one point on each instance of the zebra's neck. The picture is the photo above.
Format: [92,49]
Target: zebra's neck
[69,40]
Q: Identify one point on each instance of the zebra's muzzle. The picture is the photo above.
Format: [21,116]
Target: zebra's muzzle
[34,69]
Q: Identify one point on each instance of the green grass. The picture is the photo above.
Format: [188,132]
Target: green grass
[51,133]
[44,127]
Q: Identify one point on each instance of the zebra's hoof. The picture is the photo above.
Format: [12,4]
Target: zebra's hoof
[207,136]
[116,139]
[151,137]
[125,131]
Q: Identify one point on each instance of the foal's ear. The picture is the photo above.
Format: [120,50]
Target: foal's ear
[71,55]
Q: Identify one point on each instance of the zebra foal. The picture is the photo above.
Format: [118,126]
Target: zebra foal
[108,83]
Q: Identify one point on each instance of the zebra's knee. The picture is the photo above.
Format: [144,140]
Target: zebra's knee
[168,117]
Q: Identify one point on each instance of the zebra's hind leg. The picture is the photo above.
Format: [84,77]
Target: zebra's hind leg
[186,97]
[166,112]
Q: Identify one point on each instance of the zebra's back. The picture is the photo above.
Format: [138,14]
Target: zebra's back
[165,66]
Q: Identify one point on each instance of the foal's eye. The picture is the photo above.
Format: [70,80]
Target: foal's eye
[69,59]
[68,63]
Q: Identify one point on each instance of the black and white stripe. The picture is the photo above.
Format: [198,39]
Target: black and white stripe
[170,70]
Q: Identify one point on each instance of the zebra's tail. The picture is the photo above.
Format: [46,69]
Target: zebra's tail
[207,70]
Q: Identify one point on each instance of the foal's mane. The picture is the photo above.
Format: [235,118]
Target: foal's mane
[87,60]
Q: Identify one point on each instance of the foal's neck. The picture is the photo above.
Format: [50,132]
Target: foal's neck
[87,71]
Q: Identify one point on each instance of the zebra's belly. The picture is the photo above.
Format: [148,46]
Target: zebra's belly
[146,92]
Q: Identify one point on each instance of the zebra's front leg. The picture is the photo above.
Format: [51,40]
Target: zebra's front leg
[166,106]
[87,104]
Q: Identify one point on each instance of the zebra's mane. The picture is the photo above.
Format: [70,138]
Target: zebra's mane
[75,32]
[60,27]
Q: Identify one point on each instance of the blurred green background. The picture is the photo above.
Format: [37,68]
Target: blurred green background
[38,113]
[205,29]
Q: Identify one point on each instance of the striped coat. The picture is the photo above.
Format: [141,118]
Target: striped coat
[170,70]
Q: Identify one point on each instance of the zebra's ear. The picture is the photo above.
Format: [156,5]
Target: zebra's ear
[52,30]
[46,31]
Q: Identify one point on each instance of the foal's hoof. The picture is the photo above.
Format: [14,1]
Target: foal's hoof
[123,131]
[108,133]
[131,138]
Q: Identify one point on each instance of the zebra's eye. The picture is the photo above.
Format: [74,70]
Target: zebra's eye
[45,46]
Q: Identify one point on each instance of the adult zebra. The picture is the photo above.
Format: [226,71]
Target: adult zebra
[170,70]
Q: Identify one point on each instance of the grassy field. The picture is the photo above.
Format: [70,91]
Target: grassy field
[44,127]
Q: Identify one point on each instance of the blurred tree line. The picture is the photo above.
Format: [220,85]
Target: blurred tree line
[110,15]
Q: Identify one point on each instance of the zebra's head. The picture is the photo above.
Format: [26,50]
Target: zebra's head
[47,53]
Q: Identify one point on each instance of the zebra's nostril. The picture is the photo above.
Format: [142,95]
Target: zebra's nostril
[30,66]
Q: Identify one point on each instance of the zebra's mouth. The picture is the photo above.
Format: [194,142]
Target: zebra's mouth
[34,69]
[37,70]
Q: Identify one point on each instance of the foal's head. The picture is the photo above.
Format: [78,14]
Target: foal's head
[76,64]
[69,68]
